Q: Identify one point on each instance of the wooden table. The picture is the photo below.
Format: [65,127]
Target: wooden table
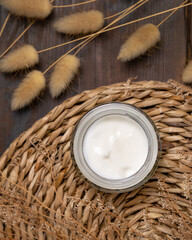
[99,65]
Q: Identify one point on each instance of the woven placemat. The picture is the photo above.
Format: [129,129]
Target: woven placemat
[42,196]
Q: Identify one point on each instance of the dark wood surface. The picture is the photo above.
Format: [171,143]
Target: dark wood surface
[98,59]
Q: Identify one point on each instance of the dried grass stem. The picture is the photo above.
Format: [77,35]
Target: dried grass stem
[17,39]
[125,13]
[4,24]
[75,4]
[116,27]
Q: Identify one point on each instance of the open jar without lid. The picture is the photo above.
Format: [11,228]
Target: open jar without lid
[116,147]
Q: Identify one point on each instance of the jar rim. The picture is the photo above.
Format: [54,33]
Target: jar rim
[124,184]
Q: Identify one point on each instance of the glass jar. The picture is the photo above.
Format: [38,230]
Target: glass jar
[116,185]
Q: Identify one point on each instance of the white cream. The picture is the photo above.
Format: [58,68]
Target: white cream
[115,147]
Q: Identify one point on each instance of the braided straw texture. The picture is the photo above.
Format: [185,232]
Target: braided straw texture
[42,195]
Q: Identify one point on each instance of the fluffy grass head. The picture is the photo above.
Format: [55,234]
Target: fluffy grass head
[63,74]
[28,8]
[187,73]
[144,38]
[21,58]
[28,90]
[80,23]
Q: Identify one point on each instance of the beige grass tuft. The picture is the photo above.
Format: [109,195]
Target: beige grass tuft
[21,58]
[80,23]
[139,42]
[28,8]
[187,73]
[28,90]
[64,72]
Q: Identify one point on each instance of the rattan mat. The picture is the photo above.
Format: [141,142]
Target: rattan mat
[42,196]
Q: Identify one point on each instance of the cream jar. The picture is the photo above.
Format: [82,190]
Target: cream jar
[116,147]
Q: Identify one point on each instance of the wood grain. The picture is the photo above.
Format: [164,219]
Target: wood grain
[98,59]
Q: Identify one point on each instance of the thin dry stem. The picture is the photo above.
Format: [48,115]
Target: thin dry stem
[75,4]
[53,64]
[117,231]
[150,16]
[44,206]
[37,214]
[113,28]
[16,40]
[178,212]
[84,37]
[5,22]
[170,14]
[34,212]
[114,15]
[85,43]
[78,39]
[127,11]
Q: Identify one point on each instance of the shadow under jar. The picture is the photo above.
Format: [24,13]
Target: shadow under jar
[116,147]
